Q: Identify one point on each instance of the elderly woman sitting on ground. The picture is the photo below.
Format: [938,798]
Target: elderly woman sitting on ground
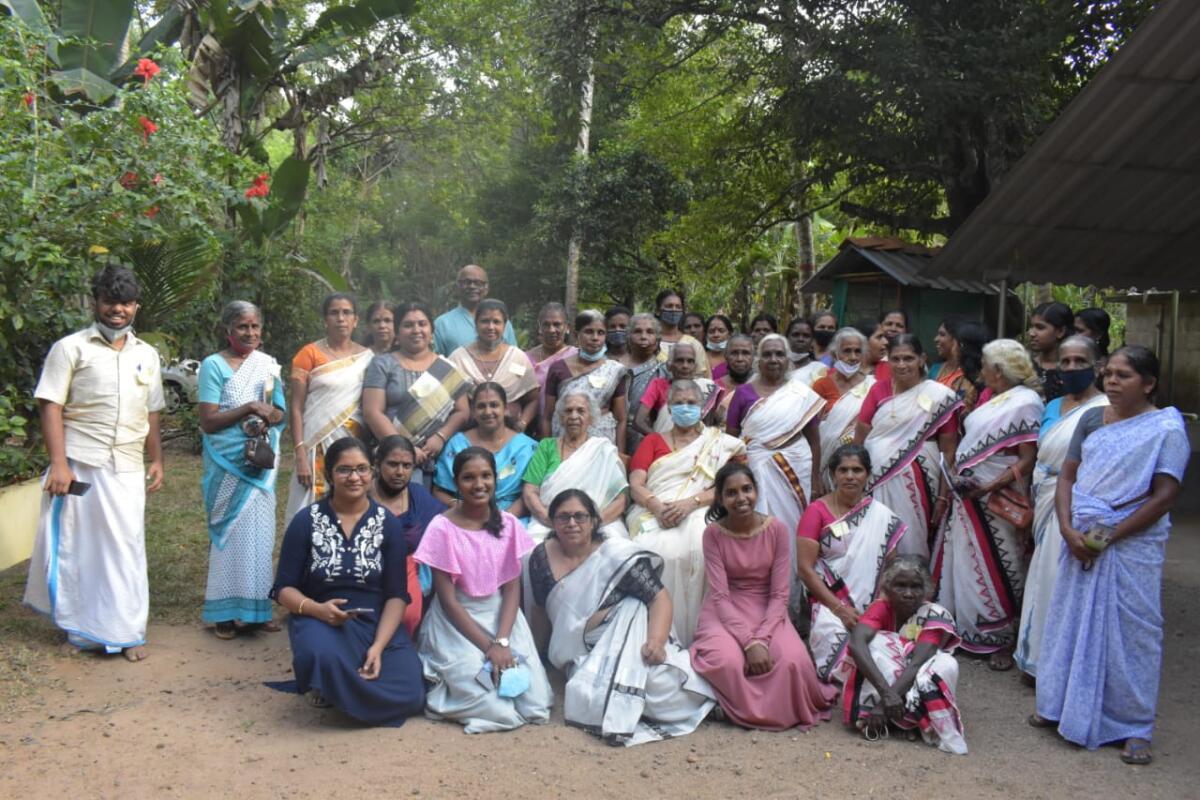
[904,673]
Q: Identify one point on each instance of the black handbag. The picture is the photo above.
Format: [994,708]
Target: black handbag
[258,450]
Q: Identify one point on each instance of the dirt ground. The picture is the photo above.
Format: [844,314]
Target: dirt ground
[196,721]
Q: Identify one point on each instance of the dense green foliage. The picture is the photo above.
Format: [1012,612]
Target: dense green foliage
[400,141]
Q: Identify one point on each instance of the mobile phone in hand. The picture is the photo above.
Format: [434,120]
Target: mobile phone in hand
[78,488]
[358,611]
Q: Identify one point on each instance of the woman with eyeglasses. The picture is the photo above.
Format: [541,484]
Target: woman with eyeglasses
[343,576]
[600,605]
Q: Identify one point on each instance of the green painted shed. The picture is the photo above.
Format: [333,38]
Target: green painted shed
[871,275]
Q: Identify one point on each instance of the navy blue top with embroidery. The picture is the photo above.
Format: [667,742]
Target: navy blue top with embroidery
[366,569]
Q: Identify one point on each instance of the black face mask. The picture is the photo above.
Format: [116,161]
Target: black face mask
[671,318]
[617,338]
[823,338]
[1075,381]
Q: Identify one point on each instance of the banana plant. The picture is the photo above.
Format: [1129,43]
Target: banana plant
[89,45]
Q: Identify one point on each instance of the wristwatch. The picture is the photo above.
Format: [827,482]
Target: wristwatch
[502,641]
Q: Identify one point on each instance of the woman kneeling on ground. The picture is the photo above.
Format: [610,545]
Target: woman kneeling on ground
[745,645]
[476,648]
[342,575]
[904,672]
[628,679]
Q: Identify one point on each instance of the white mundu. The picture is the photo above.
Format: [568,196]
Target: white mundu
[88,570]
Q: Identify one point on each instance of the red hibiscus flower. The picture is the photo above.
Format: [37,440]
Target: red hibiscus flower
[151,212]
[260,188]
[147,127]
[129,180]
[146,69]
[28,98]
[157,179]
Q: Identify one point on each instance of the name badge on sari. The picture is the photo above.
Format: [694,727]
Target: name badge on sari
[925,402]
[424,386]
[507,471]
[839,529]
[911,631]
[597,381]
[517,369]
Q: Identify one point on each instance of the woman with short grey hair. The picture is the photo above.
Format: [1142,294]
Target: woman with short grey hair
[240,402]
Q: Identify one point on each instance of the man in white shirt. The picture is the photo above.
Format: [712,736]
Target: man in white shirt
[100,394]
[456,328]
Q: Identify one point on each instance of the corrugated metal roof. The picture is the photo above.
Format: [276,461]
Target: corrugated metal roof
[1109,195]
[907,264]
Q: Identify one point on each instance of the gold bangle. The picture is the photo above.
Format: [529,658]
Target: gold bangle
[300,610]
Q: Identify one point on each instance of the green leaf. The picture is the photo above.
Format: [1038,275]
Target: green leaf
[289,185]
[164,32]
[356,18]
[29,12]
[98,29]
[326,275]
[84,82]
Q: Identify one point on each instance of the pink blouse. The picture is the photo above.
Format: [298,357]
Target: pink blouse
[477,562]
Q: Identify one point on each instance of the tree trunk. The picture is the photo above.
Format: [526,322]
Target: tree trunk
[805,256]
[582,145]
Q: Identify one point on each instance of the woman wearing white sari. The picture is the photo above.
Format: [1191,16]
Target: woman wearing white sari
[843,541]
[576,460]
[904,422]
[490,358]
[778,419]
[670,481]
[628,680]
[979,558]
[326,383]
[843,390]
[1077,368]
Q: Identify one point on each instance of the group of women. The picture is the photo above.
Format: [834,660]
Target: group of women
[659,508]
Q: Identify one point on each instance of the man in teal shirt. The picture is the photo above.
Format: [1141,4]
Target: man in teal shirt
[456,328]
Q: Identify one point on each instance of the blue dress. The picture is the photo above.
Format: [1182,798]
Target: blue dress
[511,462]
[366,569]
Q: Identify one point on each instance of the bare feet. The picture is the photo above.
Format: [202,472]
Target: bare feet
[1001,661]
[136,653]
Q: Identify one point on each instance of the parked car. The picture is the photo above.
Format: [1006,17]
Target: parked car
[180,383]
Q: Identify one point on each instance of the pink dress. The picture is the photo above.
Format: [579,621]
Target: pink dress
[748,585]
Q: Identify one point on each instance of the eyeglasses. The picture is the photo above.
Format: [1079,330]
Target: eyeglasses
[362,471]
[579,518]
[467,283]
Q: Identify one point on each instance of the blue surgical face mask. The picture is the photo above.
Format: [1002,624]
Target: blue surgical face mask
[596,356]
[717,347]
[685,415]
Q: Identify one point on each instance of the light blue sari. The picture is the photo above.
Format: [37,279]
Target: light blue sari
[1101,658]
[239,499]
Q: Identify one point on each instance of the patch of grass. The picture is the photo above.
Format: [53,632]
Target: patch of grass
[177,547]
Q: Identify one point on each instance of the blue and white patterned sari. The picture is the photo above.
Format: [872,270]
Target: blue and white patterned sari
[239,499]
[1101,655]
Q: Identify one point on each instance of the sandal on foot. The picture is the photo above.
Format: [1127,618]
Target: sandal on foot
[316,699]
[225,630]
[1137,752]
[1001,661]
[1038,721]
